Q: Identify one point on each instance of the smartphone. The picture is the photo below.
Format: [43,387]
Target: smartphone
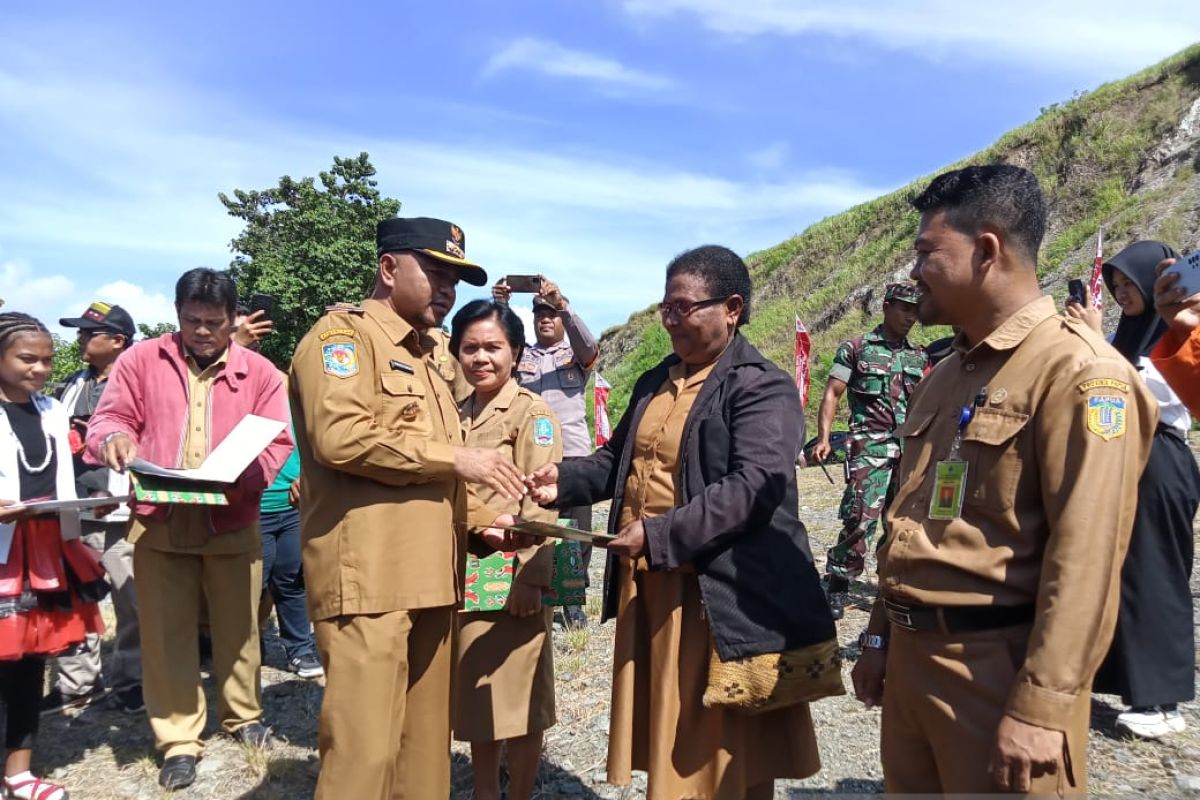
[1075,292]
[531,284]
[1188,270]
[262,302]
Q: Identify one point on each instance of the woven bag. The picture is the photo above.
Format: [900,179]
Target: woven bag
[775,680]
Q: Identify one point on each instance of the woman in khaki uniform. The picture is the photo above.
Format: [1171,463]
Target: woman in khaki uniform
[709,554]
[505,662]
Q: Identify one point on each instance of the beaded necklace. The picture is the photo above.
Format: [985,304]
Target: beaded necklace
[29,468]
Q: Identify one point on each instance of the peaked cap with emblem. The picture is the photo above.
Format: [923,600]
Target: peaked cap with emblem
[442,240]
[101,316]
[902,292]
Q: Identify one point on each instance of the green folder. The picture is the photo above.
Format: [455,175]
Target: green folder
[173,491]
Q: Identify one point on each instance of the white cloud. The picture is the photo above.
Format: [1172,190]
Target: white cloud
[149,308]
[1099,35]
[548,58]
[127,202]
[52,297]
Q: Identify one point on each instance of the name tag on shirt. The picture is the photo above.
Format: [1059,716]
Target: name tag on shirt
[949,486]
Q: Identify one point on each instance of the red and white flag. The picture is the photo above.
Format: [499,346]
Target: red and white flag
[600,396]
[1096,285]
[803,348]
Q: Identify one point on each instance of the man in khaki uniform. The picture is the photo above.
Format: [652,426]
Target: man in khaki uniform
[383,518]
[1016,492]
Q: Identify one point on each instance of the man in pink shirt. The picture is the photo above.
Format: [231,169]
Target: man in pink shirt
[170,401]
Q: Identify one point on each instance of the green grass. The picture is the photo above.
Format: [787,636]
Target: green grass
[1086,152]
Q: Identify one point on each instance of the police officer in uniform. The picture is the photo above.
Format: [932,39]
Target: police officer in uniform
[556,366]
[1016,495]
[880,369]
[385,513]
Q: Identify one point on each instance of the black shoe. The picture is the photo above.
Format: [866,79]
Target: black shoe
[837,593]
[177,772]
[128,701]
[575,617]
[837,604]
[254,735]
[307,666]
[55,701]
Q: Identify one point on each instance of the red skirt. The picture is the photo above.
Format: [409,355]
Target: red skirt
[49,591]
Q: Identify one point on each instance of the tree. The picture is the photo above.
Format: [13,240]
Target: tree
[308,245]
[66,361]
[156,330]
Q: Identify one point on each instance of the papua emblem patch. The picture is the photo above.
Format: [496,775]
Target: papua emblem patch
[543,432]
[1106,416]
[340,359]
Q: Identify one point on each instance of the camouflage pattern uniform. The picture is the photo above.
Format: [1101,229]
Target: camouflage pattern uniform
[879,378]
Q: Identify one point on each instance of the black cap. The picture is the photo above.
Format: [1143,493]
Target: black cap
[541,302]
[100,316]
[443,240]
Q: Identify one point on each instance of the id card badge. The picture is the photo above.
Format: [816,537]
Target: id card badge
[949,486]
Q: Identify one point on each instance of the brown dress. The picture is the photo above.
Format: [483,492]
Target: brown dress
[504,686]
[660,664]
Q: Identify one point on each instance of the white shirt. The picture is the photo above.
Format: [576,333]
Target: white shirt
[1171,410]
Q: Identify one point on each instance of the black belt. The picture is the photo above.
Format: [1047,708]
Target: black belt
[956,619]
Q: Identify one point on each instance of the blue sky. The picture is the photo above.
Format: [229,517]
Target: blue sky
[590,141]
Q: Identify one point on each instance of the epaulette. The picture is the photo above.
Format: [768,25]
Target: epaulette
[348,307]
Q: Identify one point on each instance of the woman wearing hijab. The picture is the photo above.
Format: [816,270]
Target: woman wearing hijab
[1151,661]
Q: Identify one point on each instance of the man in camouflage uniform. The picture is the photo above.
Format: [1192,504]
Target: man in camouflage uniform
[880,369]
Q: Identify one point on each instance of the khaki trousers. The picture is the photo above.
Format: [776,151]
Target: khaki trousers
[942,704]
[170,586]
[385,720]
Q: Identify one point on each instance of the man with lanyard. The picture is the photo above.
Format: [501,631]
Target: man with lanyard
[1016,492]
[557,367]
[105,332]
[881,369]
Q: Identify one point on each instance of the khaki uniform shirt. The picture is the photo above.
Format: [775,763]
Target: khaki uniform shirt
[1053,456]
[382,515]
[519,424]
[189,529]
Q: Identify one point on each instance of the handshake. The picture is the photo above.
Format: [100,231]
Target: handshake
[495,470]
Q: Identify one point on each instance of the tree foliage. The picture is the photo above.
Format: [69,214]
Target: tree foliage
[66,361]
[309,243]
[155,330]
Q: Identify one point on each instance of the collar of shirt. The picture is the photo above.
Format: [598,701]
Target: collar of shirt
[1013,330]
[877,335]
[215,366]
[501,402]
[396,327]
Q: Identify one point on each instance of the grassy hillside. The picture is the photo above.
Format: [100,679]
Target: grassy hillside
[1124,156]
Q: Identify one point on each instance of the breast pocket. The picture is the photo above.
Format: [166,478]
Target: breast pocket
[403,405]
[571,377]
[992,449]
[870,380]
[915,456]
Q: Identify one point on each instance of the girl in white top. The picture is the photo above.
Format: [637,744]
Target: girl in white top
[50,582]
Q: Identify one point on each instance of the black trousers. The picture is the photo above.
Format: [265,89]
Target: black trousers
[1152,658]
[21,693]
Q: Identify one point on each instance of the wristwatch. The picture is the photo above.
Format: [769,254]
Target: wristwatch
[872,641]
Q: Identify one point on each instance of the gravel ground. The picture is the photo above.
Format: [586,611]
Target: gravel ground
[102,754]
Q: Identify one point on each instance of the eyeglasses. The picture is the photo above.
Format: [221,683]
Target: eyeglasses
[684,308]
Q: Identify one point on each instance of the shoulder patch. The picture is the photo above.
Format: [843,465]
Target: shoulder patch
[340,359]
[1104,383]
[543,432]
[1106,416]
[337,332]
[348,307]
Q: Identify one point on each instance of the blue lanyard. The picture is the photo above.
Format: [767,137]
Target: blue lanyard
[965,415]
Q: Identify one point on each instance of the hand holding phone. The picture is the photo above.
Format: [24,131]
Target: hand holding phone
[1075,292]
[528,284]
[1188,270]
[262,302]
